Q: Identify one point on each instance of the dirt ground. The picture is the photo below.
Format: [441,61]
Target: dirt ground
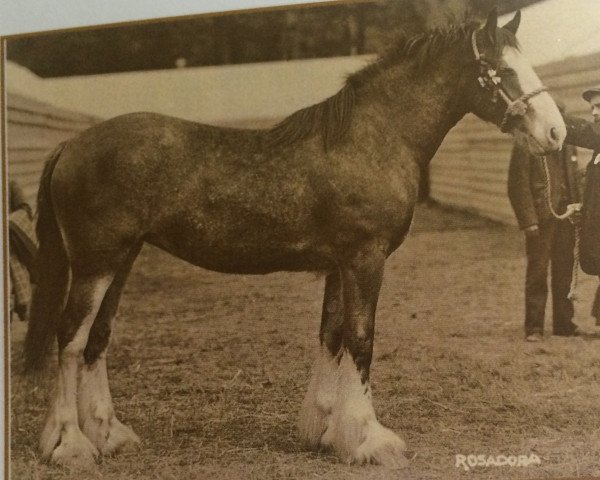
[210,370]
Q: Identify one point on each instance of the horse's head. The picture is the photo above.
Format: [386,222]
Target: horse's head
[507,91]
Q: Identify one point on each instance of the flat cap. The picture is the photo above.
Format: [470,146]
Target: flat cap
[590,92]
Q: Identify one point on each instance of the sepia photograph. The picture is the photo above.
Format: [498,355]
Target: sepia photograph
[353,239]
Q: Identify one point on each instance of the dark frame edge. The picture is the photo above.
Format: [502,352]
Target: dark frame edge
[5,263]
[144,21]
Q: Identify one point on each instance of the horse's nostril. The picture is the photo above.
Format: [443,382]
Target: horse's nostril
[554,134]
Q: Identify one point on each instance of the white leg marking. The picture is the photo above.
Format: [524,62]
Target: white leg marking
[315,414]
[356,434]
[96,412]
[62,440]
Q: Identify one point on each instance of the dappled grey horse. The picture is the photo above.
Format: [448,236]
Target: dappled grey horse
[331,188]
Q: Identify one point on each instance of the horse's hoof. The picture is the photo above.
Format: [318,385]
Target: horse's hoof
[120,438]
[358,438]
[75,451]
[110,436]
[313,426]
[381,446]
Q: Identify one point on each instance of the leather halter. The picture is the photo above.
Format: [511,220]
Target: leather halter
[489,80]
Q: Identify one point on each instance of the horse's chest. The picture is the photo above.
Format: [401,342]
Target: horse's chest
[368,206]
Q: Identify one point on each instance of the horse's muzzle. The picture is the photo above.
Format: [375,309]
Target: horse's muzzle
[555,137]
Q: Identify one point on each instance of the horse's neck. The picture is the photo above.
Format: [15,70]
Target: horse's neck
[416,110]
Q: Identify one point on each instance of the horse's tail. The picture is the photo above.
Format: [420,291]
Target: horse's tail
[52,266]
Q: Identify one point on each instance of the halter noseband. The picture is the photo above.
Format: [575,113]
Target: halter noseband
[489,80]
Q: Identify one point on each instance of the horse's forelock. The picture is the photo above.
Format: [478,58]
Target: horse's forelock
[504,39]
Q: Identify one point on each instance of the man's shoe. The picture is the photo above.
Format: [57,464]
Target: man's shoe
[576,332]
[534,337]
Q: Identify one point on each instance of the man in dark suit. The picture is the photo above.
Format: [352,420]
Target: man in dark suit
[583,133]
[535,185]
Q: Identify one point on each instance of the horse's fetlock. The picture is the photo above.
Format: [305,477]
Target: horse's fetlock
[103,413]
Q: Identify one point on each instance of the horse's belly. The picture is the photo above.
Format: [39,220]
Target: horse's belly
[245,256]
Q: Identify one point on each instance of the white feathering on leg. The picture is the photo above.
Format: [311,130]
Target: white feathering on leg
[356,434]
[315,414]
[62,440]
[96,413]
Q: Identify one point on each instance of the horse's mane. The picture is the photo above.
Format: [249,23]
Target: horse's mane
[332,116]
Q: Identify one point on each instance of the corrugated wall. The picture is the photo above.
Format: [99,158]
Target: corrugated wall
[34,129]
[470,169]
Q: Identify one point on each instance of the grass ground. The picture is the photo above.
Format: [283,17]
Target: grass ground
[210,370]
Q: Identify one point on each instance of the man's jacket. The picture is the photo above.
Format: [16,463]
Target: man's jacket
[587,135]
[527,184]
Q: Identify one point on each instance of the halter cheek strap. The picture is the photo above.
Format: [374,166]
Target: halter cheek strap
[489,80]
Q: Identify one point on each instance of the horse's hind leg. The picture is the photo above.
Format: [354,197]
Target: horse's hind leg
[316,412]
[62,440]
[96,413]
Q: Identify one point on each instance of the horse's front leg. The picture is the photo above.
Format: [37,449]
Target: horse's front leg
[355,433]
[316,413]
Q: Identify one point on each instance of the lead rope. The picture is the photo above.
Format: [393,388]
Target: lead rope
[518,107]
[571,209]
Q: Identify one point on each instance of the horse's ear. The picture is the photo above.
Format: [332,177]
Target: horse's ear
[513,25]
[492,25]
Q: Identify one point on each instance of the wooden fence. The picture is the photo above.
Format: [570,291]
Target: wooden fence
[470,170]
[34,129]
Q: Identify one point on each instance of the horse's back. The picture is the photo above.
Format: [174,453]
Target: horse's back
[110,179]
[209,195]
[122,157]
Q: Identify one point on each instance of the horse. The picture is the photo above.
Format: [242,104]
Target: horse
[330,189]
